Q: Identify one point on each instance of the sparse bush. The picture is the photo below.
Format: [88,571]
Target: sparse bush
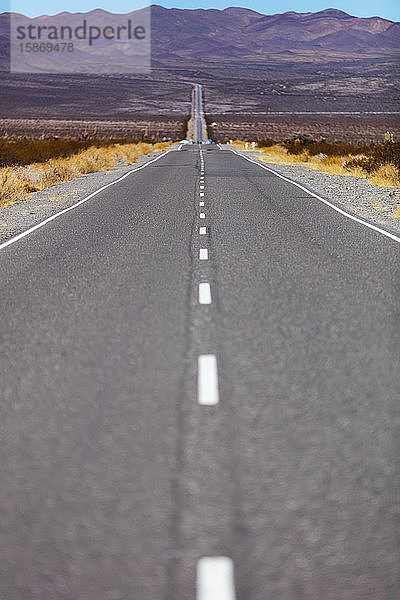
[18,181]
[365,157]
[380,163]
[267,143]
[26,151]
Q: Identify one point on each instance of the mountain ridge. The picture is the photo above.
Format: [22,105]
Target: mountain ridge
[250,35]
[236,35]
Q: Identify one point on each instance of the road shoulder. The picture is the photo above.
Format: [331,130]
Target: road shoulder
[43,204]
[355,195]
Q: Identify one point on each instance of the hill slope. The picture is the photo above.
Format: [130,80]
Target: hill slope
[240,34]
[181,37]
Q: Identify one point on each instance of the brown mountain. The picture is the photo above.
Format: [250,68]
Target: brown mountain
[182,37]
[241,34]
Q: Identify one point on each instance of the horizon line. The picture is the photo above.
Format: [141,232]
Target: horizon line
[197,10]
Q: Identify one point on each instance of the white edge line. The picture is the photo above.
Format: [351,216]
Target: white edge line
[207,390]
[62,212]
[339,210]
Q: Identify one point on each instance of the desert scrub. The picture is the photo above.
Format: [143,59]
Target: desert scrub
[23,151]
[18,181]
[379,163]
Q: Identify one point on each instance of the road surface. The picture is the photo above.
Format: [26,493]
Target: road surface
[161,438]
[197,127]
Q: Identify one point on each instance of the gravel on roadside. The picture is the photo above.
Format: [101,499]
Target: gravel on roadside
[376,204]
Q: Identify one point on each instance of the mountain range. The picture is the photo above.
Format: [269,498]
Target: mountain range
[239,34]
[182,37]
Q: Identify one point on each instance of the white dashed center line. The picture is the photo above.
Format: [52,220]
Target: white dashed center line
[203,230]
[202,215]
[202,187]
[201,203]
[214,580]
[204,293]
[203,254]
[207,387]
[201,194]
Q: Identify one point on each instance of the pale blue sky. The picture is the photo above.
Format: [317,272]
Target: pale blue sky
[389,9]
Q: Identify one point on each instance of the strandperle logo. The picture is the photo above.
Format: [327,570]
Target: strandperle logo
[81,32]
[95,42]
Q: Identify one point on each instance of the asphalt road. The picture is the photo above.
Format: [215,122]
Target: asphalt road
[200,126]
[115,480]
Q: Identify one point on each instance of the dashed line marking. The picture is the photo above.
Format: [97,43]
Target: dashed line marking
[201,203]
[202,215]
[201,194]
[207,395]
[203,230]
[204,293]
[202,187]
[203,254]
[215,578]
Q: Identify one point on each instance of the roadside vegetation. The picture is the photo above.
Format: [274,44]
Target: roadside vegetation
[379,163]
[27,166]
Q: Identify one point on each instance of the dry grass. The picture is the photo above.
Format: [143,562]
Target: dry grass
[343,163]
[17,182]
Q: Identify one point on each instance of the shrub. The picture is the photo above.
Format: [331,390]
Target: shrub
[17,182]
[266,143]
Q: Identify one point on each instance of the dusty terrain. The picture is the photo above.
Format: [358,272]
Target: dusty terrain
[350,101]
[332,76]
[349,128]
[148,128]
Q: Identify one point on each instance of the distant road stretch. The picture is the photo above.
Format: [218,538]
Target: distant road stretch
[197,127]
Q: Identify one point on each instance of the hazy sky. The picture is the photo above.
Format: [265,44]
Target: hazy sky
[363,8]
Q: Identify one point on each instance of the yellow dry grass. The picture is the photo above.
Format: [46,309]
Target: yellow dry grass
[386,175]
[18,182]
[396,213]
